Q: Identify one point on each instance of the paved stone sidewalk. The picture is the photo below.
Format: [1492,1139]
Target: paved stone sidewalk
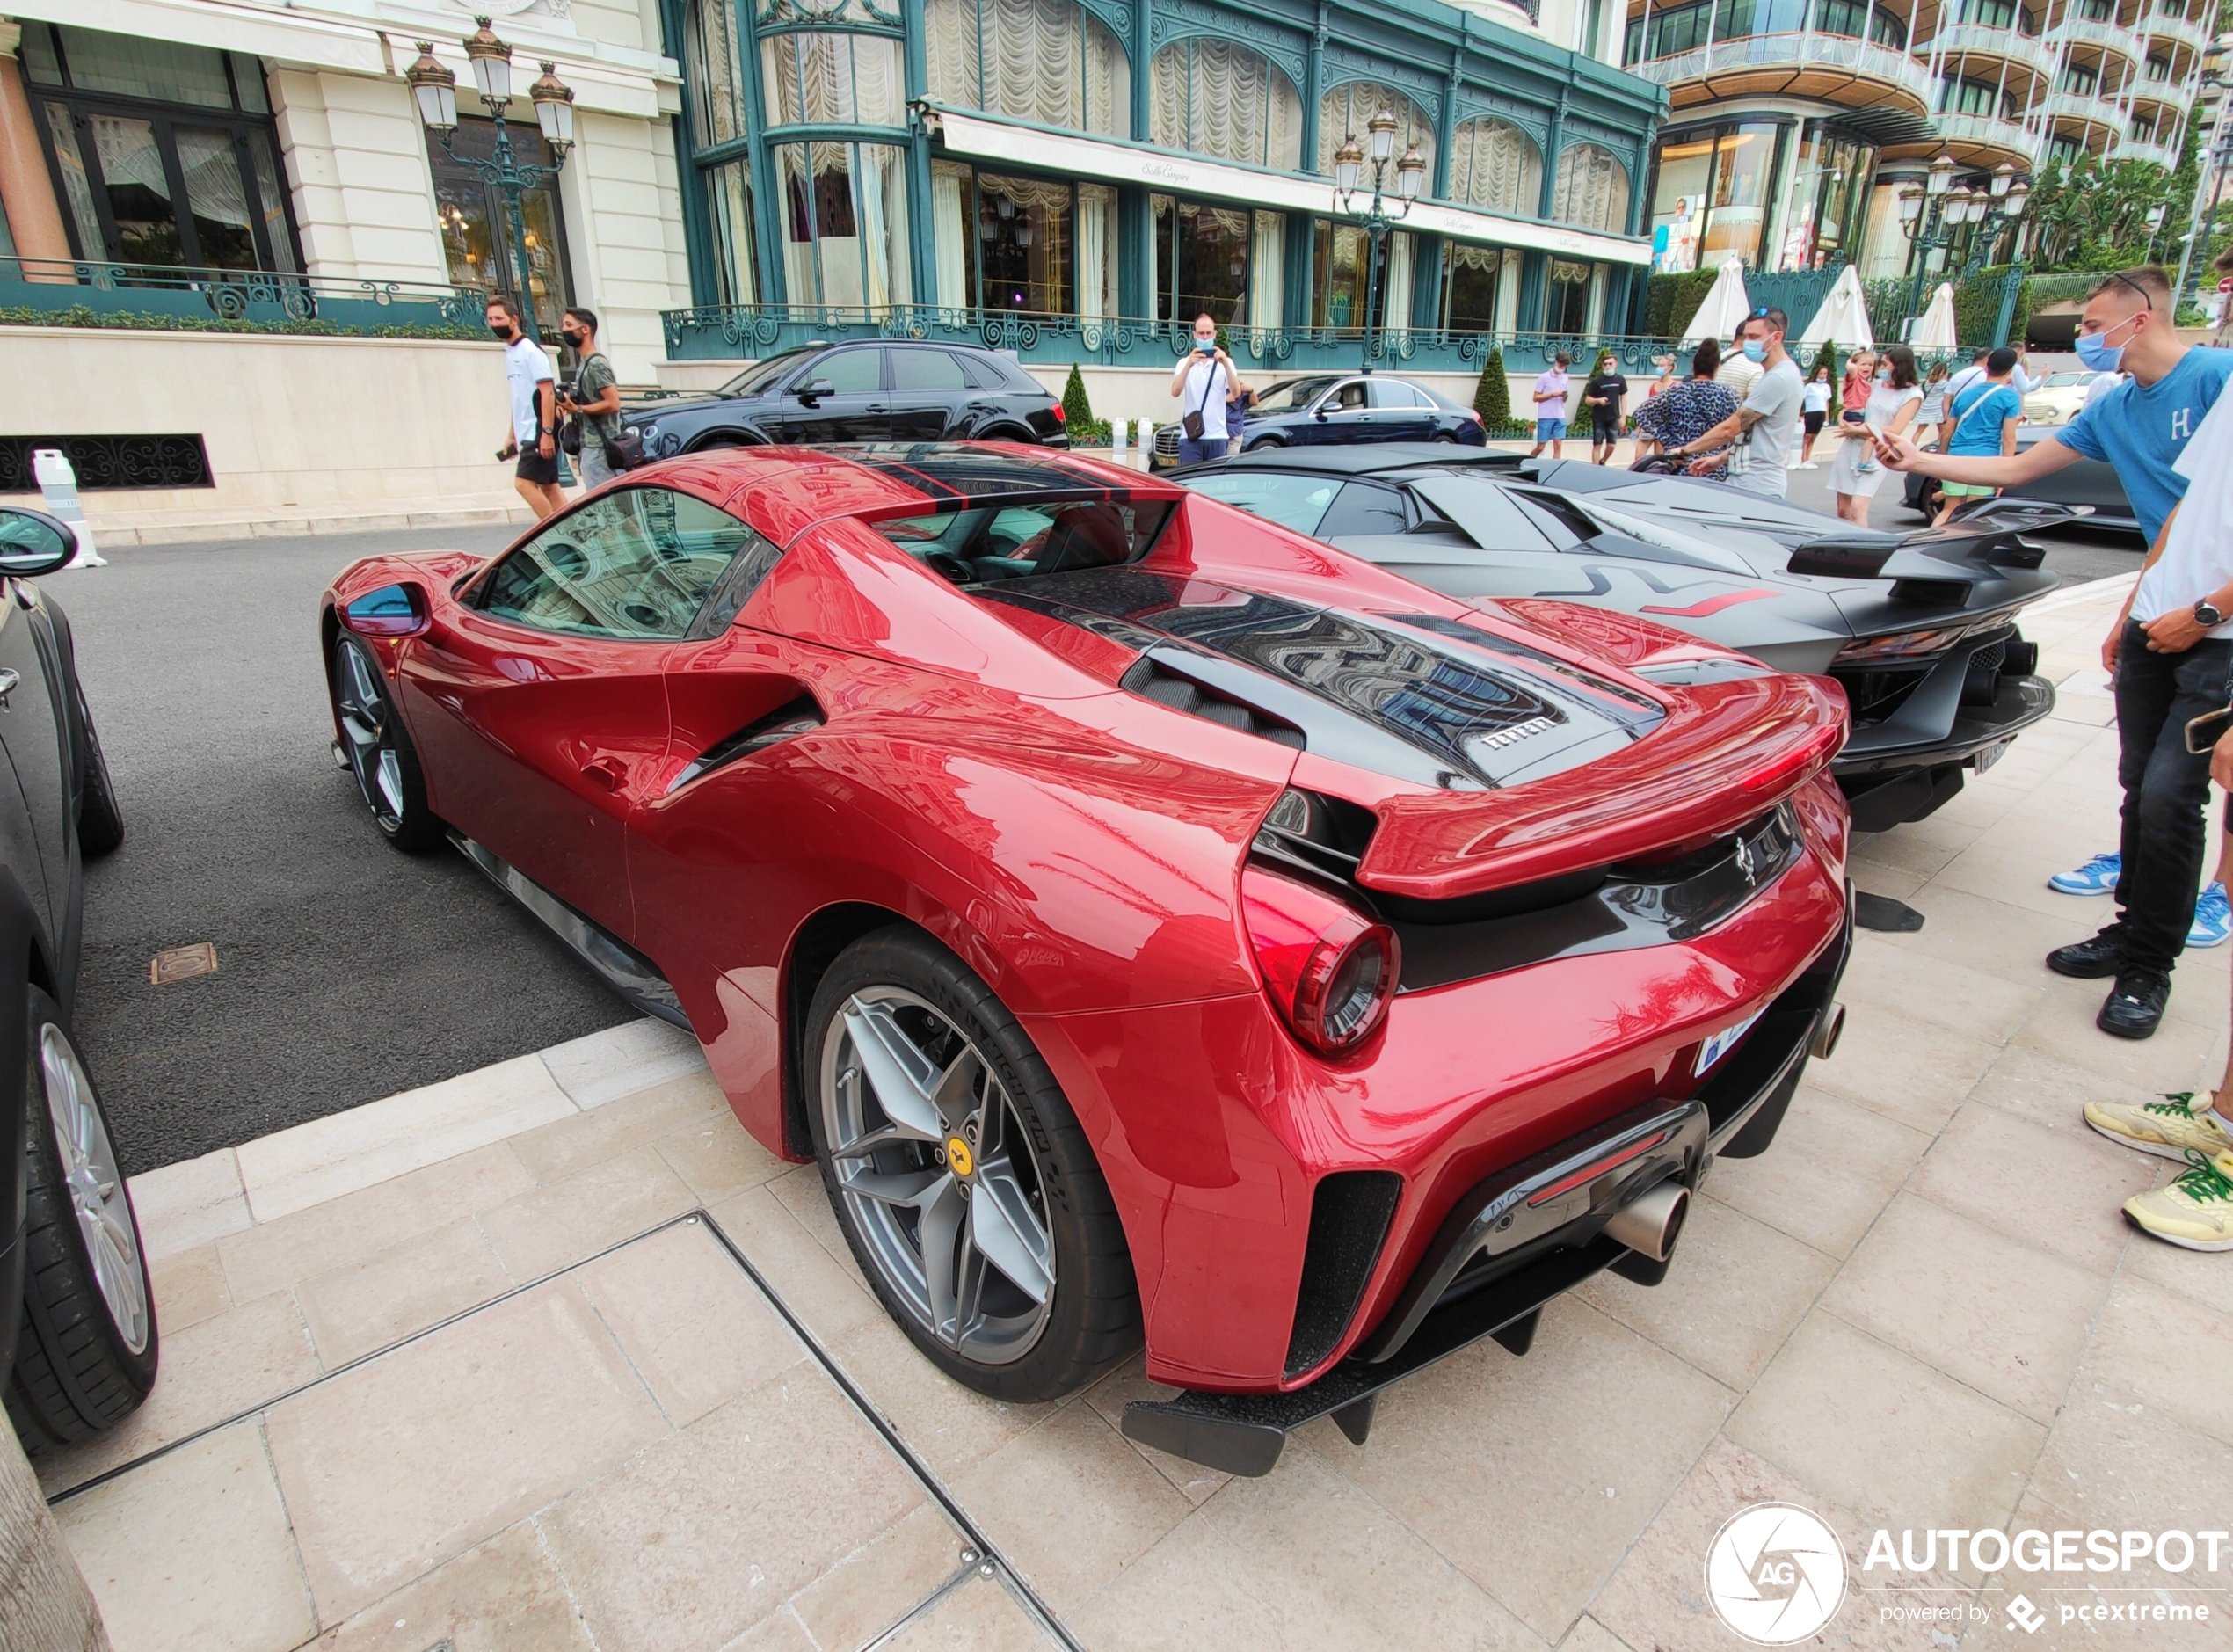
[477,1364]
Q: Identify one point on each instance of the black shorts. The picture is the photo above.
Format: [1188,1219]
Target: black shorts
[1605,430]
[536,468]
[1815,422]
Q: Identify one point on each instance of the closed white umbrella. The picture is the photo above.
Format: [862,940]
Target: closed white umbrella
[1842,320]
[1726,305]
[1936,329]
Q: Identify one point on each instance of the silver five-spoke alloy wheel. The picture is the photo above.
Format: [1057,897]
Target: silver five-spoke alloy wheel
[97,1196]
[372,753]
[938,1174]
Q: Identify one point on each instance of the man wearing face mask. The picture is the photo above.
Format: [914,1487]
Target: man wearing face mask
[1765,426]
[534,435]
[596,400]
[1203,382]
[2169,659]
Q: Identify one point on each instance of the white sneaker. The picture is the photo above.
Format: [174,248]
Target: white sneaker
[2173,1128]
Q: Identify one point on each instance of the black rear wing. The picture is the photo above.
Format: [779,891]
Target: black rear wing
[1989,535]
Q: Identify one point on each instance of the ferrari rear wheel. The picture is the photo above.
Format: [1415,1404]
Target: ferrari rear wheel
[962,1179]
[378,749]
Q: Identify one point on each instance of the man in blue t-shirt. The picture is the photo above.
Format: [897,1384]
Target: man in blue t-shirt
[2140,428]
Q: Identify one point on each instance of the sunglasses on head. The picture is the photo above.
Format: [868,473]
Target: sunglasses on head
[2146,297]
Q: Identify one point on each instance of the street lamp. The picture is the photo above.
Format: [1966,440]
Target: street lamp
[434,88]
[1349,172]
[1929,216]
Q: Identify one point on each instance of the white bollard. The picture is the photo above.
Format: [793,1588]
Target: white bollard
[1118,428]
[1147,444]
[58,489]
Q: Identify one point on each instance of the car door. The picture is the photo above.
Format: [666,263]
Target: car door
[1399,412]
[1341,415]
[32,729]
[854,406]
[928,391]
[538,703]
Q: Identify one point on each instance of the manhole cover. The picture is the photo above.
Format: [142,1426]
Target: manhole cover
[183,963]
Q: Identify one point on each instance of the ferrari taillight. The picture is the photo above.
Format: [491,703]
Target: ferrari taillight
[1329,969]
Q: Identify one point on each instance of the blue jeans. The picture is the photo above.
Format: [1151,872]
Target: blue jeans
[2167,790]
[1194,451]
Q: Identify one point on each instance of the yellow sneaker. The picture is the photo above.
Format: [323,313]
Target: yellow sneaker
[2195,1212]
[2173,1128]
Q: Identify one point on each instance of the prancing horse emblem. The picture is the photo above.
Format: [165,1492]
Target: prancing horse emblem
[1747,868]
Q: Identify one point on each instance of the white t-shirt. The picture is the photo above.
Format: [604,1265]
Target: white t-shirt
[1974,373]
[2103,383]
[1203,397]
[524,366]
[1817,395]
[2198,553]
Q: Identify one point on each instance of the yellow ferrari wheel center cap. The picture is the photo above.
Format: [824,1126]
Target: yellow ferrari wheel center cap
[958,1155]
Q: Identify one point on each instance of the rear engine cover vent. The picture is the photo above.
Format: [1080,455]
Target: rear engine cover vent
[1152,680]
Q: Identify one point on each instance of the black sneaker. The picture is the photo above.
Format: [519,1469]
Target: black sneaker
[2135,1006]
[2093,959]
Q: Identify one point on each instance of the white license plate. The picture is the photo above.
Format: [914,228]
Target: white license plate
[1992,754]
[1722,1042]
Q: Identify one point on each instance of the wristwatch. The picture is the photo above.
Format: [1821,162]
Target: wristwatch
[2207,617]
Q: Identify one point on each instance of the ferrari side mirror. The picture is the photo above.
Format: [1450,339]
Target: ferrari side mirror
[32,543]
[393,610]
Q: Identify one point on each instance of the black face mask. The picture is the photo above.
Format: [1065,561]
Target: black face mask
[501,329]
[575,340]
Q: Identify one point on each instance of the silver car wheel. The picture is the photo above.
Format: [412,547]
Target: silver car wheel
[371,752]
[97,1196]
[937,1174]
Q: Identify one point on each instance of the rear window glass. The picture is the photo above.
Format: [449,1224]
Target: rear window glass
[1295,502]
[917,369]
[1016,539]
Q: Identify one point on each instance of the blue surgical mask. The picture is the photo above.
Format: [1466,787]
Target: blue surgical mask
[1884,377]
[1207,347]
[1756,350]
[2097,353]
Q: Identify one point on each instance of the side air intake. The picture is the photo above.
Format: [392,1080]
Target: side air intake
[788,722]
[1349,1215]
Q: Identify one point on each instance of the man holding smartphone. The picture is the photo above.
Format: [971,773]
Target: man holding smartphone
[2167,670]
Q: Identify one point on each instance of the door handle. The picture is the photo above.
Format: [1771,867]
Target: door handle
[607,772]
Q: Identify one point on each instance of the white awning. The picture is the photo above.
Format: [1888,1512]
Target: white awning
[289,37]
[1114,163]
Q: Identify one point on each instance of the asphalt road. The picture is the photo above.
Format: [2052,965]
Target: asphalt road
[346,972]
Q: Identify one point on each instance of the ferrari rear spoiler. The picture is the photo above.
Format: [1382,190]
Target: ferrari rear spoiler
[1991,536]
[1726,753]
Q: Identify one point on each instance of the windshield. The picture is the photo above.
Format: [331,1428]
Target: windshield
[2063,381]
[1016,538]
[1292,396]
[763,378]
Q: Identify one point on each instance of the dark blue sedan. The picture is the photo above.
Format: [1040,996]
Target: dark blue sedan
[1326,408]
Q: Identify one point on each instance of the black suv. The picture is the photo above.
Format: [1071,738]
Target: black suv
[893,390]
[80,1348]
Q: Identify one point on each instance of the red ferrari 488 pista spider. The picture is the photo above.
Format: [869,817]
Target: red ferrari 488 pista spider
[1155,923]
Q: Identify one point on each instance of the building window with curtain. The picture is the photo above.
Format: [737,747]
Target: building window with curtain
[1033,246]
[1046,61]
[713,72]
[1344,110]
[1202,260]
[1480,293]
[476,223]
[1218,98]
[823,78]
[1825,201]
[845,224]
[1591,191]
[160,153]
[1024,233]
[1493,164]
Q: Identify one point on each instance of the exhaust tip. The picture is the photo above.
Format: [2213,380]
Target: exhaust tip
[1649,1224]
[1827,1032]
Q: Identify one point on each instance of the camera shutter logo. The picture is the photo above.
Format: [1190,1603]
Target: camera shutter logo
[1775,1573]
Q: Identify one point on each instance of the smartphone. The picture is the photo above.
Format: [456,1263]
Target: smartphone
[2204,732]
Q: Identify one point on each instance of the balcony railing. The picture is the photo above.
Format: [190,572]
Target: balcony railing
[1984,128]
[259,299]
[1793,51]
[2110,37]
[1984,39]
[744,332]
[2162,27]
[2163,155]
[2088,106]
